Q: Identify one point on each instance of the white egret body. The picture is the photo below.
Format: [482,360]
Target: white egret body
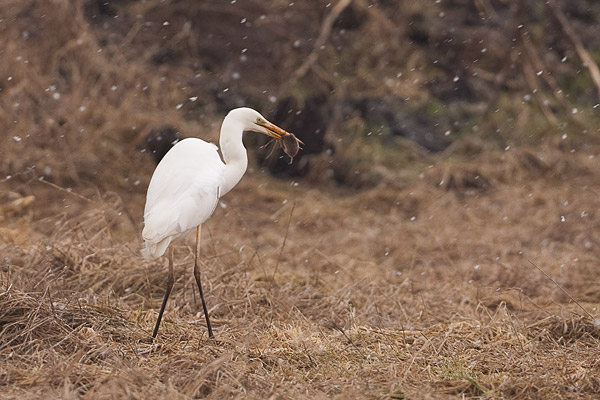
[187,184]
[182,194]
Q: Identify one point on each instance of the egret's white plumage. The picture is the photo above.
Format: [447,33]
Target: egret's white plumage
[182,194]
[187,184]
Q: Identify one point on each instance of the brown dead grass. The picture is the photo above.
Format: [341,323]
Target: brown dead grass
[420,287]
[366,300]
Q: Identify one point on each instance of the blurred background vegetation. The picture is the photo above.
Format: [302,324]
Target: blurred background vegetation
[370,86]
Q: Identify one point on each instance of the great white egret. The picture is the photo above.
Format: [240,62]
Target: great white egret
[188,182]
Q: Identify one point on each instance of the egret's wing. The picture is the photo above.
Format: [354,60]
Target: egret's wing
[183,191]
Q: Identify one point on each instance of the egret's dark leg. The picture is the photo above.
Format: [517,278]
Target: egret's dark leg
[197,276]
[170,282]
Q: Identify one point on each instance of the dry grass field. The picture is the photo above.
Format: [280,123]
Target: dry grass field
[456,276]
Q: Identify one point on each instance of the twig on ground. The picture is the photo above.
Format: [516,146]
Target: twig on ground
[561,288]
[287,229]
[66,190]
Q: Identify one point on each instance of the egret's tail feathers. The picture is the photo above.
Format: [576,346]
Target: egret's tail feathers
[154,250]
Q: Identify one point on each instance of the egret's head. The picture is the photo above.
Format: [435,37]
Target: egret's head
[253,121]
[268,128]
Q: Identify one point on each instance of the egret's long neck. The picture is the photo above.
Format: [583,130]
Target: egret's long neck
[234,153]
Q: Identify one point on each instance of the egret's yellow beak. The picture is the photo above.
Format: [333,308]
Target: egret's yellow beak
[271,129]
